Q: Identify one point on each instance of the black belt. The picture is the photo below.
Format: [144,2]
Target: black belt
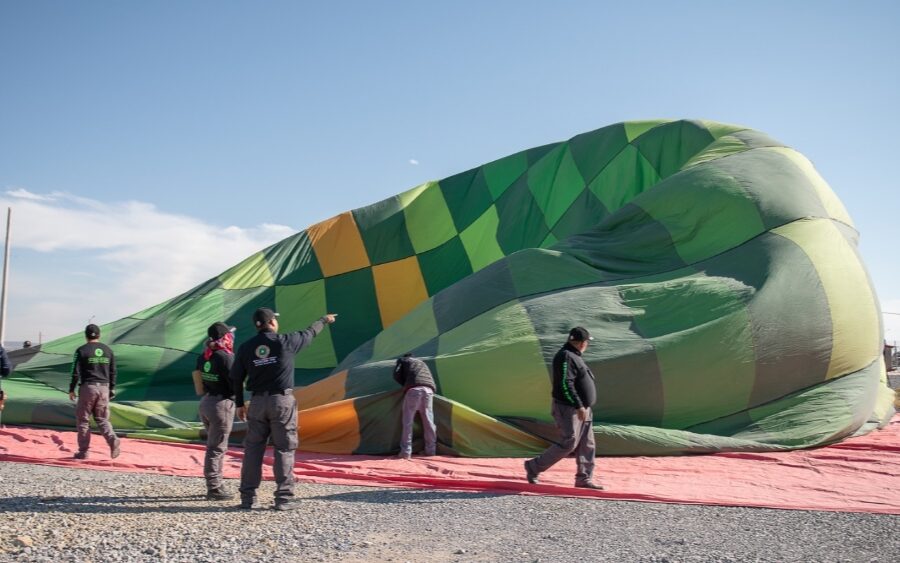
[279,392]
[97,383]
[220,396]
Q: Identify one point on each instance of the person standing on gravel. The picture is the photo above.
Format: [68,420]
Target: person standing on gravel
[5,370]
[574,393]
[418,394]
[94,368]
[266,361]
[217,404]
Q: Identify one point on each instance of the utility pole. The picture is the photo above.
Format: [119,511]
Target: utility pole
[5,279]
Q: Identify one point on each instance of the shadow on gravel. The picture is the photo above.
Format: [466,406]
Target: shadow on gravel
[404,496]
[114,505]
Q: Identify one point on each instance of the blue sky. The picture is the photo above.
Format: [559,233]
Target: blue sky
[146,146]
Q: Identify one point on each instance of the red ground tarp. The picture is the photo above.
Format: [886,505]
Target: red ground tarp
[858,475]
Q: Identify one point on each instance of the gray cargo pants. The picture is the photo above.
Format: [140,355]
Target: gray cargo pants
[418,400]
[276,416]
[217,415]
[93,400]
[577,436]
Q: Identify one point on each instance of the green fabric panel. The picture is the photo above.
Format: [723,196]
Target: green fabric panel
[701,332]
[775,267]
[187,322]
[634,129]
[252,272]
[480,240]
[293,260]
[445,265]
[583,214]
[352,295]
[474,295]
[382,227]
[484,358]
[706,210]
[467,197]
[626,176]
[721,147]
[549,241]
[414,330]
[136,366]
[522,222]
[171,380]
[719,130]
[475,434]
[428,220]
[379,423]
[668,147]
[629,387]
[554,198]
[67,344]
[500,174]
[537,153]
[52,370]
[537,271]
[595,150]
[298,307]
[627,244]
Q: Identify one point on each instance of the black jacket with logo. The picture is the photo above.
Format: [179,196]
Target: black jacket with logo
[412,372]
[573,381]
[267,360]
[93,362]
[215,373]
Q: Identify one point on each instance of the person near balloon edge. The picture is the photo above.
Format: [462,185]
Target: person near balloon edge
[94,372]
[217,405]
[266,361]
[418,397]
[574,393]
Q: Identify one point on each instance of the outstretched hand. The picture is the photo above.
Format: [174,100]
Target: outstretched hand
[330,318]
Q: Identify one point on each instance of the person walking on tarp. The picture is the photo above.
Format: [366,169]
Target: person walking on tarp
[574,393]
[267,362]
[5,370]
[418,386]
[94,367]
[217,404]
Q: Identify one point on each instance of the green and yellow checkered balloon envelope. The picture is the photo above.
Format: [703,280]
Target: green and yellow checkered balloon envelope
[717,270]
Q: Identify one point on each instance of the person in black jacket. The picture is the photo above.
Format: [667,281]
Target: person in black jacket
[418,388]
[574,393]
[267,362]
[94,367]
[5,370]
[217,404]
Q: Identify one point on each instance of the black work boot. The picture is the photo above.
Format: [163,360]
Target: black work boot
[286,504]
[80,455]
[219,493]
[532,476]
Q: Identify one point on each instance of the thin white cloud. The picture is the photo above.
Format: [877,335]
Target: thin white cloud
[414,162]
[22,193]
[140,255]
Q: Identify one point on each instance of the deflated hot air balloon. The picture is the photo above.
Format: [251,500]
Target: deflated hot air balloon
[717,270]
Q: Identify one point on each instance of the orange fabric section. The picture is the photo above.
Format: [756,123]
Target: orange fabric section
[338,246]
[322,392]
[400,287]
[332,428]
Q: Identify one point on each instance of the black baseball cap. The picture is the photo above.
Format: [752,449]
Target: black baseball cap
[92,331]
[218,330]
[580,334]
[262,316]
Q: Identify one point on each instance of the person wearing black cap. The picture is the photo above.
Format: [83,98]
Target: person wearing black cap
[217,404]
[574,393]
[94,368]
[266,361]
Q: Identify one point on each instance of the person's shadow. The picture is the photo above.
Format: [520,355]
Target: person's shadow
[405,496]
[114,504]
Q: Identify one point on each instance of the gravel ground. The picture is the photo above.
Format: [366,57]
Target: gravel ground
[56,514]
